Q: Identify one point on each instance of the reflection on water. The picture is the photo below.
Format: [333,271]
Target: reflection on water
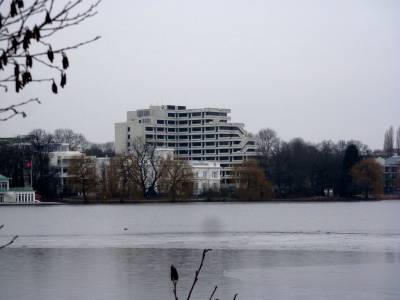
[261,251]
[44,274]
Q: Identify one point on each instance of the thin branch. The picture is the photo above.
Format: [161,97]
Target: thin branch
[213,292]
[14,111]
[234,297]
[63,49]
[175,293]
[196,276]
[10,242]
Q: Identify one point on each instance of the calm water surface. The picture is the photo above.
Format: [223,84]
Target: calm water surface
[261,251]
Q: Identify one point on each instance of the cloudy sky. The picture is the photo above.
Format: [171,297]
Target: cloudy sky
[314,69]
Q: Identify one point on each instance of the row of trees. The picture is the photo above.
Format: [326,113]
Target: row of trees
[26,158]
[298,168]
[140,174]
[391,143]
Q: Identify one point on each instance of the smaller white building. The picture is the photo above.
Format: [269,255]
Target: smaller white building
[60,161]
[15,195]
[206,176]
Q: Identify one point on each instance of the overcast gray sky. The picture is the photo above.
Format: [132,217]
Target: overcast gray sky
[314,69]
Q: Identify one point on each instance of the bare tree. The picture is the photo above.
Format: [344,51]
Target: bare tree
[267,141]
[83,173]
[64,135]
[121,169]
[177,178]
[398,140]
[26,32]
[147,167]
[388,143]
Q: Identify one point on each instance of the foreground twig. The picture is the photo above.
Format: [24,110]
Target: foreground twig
[212,294]
[10,242]
[196,276]
[175,278]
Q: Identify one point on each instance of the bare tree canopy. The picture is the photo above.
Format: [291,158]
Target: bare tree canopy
[388,143]
[26,32]
[398,140]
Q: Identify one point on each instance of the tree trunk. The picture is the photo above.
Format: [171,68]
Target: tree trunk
[84,191]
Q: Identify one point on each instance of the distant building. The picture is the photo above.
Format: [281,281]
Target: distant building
[59,163]
[392,174]
[206,176]
[15,195]
[203,134]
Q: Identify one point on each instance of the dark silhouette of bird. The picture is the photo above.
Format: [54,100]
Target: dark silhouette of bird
[174,274]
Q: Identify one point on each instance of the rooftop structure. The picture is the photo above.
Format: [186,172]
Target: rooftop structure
[204,134]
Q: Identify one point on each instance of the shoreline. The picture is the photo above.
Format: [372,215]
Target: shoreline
[72,201]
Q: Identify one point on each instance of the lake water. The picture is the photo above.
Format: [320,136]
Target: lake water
[261,251]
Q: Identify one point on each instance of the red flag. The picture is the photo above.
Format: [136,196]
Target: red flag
[28,164]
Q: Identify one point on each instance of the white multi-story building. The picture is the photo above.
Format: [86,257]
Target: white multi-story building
[204,134]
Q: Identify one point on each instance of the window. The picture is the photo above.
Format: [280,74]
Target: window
[171,129]
[194,122]
[171,115]
[184,129]
[196,129]
[205,174]
[215,174]
[196,137]
[149,128]
[183,137]
[171,122]
[182,115]
[149,136]
[183,122]
[171,107]
[171,145]
[160,121]
[196,114]
[160,129]
[129,129]
[171,137]
[129,136]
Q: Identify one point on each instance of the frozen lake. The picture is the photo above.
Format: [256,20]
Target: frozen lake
[261,250]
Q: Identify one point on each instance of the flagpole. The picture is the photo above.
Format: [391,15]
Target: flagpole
[31,171]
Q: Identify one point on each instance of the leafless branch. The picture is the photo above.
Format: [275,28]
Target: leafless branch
[14,111]
[213,292]
[196,276]
[10,242]
[32,24]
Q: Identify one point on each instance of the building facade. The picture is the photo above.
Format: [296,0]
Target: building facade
[204,134]
[20,195]
[392,174]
